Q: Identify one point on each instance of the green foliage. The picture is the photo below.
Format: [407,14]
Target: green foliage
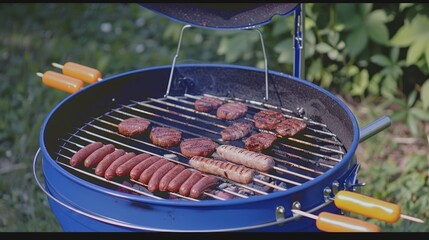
[348,49]
[415,36]
[411,112]
[409,188]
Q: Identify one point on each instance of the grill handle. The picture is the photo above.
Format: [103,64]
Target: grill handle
[374,127]
[178,50]
[108,220]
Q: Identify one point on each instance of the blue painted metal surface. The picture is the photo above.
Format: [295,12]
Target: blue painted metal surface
[179,215]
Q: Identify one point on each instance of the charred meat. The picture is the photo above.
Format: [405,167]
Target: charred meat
[267,119]
[206,104]
[231,111]
[290,127]
[133,126]
[236,131]
[197,147]
[165,137]
[260,141]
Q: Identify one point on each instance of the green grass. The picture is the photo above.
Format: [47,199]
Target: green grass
[32,36]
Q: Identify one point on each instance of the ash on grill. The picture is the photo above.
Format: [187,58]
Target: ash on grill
[298,159]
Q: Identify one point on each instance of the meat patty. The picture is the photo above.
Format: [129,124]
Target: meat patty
[289,127]
[133,126]
[231,111]
[165,137]
[267,119]
[236,131]
[260,141]
[206,104]
[197,147]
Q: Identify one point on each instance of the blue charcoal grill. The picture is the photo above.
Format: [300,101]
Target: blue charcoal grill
[310,167]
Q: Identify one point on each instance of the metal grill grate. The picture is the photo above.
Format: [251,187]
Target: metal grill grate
[298,159]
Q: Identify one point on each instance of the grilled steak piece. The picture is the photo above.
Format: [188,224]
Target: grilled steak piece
[133,126]
[236,131]
[260,141]
[197,147]
[267,119]
[206,104]
[231,111]
[289,127]
[165,137]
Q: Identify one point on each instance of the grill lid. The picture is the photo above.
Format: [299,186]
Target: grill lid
[222,15]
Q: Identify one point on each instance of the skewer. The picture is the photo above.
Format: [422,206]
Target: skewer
[60,81]
[371,207]
[330,222]
[86,74]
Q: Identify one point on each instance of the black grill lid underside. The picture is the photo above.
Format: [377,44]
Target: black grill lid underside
[222,15]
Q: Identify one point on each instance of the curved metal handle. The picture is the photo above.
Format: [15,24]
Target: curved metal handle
[178,50]
[135,227]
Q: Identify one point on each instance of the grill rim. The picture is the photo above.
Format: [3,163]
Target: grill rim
[346,160]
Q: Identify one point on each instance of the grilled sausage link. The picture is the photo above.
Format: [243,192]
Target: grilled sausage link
[107,160]
[176,182]
[157,175]
[98,155]
[126,167]
[225,169]
[111,170]
[148,172]
[245,157]
[163,183]
[203,184]
[84,152]
[185,188]
[139,168]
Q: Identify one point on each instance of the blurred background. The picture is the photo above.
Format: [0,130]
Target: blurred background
[375,57]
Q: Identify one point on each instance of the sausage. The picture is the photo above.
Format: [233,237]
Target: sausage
[84,152]
[177,181]
[126,167]
[148,172]
[163,183]
[111,170]
[139,168]
[225,169]
[98,155]
[203,184]
[156,177]
[62,82]
[245,157]
[86,74]
[185,188]
[107,160]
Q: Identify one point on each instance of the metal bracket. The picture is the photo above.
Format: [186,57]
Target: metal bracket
[280,214]
[296,205]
